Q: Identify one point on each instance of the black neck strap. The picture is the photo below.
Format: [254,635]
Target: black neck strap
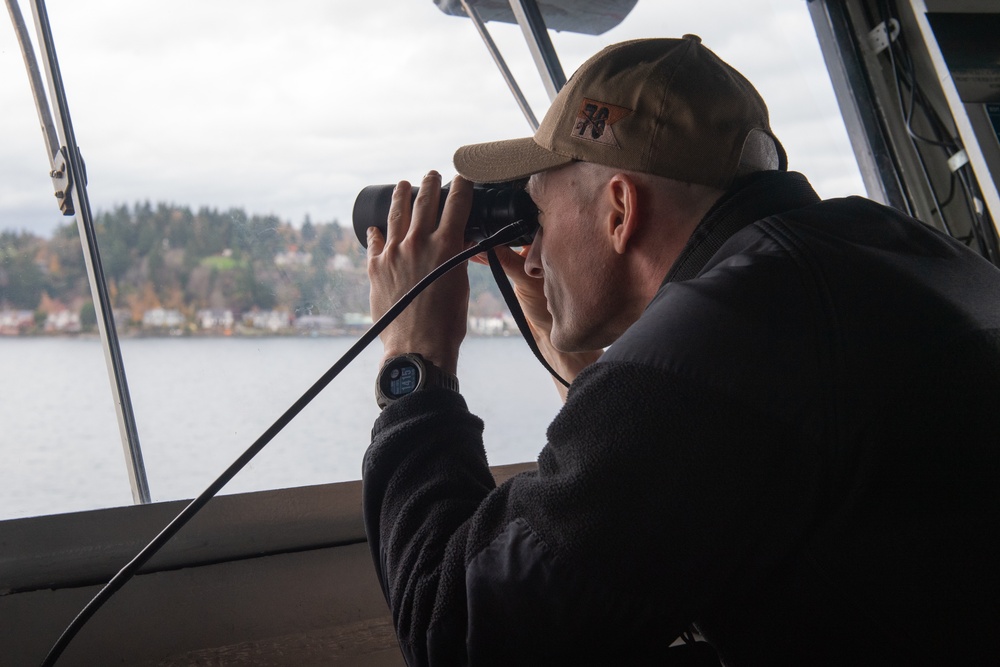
[515,311]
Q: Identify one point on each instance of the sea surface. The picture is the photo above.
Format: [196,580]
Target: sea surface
[200,402]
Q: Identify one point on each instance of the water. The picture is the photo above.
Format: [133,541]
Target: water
[200,402]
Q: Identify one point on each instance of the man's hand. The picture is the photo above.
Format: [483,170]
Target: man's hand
[531,295]
[434,325]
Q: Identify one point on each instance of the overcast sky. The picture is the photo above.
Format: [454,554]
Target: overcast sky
[291,108]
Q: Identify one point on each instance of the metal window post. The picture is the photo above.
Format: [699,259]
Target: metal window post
[529,17]
[69,178]
[491,46]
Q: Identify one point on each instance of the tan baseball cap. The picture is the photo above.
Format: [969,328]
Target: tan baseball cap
[668,107]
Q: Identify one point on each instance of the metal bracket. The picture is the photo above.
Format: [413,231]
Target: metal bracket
[879,38]
[62,182]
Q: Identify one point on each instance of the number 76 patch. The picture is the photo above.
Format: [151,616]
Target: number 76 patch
[594,121]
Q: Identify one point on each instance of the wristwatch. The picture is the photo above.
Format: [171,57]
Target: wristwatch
[407,373]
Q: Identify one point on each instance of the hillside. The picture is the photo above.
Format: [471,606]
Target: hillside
[166,257]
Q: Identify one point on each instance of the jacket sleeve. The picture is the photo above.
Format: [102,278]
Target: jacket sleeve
[652,497]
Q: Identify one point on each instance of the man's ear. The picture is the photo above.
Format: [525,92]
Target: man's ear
[623,216]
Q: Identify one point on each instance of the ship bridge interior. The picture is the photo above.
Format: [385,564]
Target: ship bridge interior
[282,576]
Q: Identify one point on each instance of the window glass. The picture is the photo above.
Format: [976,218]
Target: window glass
[225,143]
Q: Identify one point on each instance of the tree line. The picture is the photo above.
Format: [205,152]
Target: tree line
[169,256]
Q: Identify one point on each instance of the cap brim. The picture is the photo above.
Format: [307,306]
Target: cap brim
[508,160]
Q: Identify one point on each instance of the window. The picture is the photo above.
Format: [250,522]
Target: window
[225,143]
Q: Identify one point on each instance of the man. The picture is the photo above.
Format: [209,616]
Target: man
[789,443]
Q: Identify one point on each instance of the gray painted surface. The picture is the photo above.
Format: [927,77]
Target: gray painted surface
[271,578]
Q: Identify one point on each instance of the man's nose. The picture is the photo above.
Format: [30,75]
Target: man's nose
[533,260]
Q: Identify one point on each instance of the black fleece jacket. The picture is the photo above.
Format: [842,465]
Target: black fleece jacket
[794,448]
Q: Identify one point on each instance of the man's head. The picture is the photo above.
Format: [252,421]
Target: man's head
[638,145]
[605,241]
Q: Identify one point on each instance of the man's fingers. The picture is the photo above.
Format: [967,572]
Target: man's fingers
[457,206]
[425,207]
[511,260]
[398,223]
[376,242]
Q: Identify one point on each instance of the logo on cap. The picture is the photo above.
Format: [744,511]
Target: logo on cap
[594,121]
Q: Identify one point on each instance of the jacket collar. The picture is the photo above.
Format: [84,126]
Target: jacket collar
[750,199]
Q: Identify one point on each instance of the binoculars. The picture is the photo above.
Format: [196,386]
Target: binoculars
[493,208]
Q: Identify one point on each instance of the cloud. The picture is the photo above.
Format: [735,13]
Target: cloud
[290,109]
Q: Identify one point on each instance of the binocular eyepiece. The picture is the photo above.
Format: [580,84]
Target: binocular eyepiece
[493,208]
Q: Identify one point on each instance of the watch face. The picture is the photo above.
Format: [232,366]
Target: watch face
[400,378]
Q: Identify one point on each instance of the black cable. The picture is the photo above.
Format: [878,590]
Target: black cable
[987,241]
[917,93]
[899,77]
[951,191]
[506,235]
